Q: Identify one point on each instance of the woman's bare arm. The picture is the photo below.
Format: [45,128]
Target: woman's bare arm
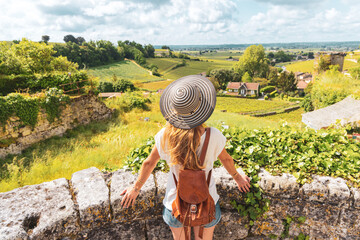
[146,168]
[242,181]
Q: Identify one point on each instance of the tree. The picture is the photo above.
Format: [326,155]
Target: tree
[70,38]
[80,40]
[287,82]
[149,51]
[45,38]
[221,77]
[246,77]
[165,47]
[254,62]
[273,76]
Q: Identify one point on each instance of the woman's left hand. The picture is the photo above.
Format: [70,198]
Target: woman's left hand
[129,198]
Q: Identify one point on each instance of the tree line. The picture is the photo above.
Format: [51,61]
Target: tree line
[96,53]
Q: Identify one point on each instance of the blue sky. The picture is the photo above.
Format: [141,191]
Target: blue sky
[182,21]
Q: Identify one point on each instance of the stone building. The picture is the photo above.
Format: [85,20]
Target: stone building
[331,58]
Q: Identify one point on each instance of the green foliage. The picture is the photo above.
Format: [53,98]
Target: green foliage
[246,77]
[299,152]
[287,82]
[137,156]
[54,99]
[267,89]
[121,85]
[355,73]
[332,87]
[254,62]
[221,77]
[89,54]
[132,100]
[25,108]
[29,57]
[272,94]
[105,86]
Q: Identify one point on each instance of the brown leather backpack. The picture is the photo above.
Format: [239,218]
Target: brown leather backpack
[194,205]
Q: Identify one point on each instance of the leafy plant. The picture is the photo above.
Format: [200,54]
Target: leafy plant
[52,102]
[137,156]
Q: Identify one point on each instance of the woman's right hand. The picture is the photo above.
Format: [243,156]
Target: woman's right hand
[243,182]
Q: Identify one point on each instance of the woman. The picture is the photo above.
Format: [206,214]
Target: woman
[186,104]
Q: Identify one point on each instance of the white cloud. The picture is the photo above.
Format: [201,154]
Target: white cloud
[181,21]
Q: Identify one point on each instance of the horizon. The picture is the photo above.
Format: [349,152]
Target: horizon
[183,22]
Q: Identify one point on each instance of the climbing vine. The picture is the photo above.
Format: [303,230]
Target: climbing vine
[52,102]
[27,107]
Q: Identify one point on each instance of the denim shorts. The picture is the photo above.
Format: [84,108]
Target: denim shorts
[173,222]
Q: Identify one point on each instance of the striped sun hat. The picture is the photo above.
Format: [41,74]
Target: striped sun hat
[188,102]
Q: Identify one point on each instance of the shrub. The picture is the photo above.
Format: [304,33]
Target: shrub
[267,89]
[266,97]
[123,85]
[272,94]
[105,86]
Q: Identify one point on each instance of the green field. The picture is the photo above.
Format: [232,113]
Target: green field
[154,85]
[308,66]
[217,55]
[243,105]
[106,144]
[123,69]
[165,66]
[301,66]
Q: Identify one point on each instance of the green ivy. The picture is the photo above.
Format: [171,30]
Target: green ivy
[27,108]
[137,156]
[52,102]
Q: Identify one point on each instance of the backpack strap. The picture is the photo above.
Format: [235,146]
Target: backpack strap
[205,146]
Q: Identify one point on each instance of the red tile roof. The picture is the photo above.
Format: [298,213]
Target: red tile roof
[301,85]
[252,86]
[234,85]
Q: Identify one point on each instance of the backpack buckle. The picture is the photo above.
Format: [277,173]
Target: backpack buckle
[193,208]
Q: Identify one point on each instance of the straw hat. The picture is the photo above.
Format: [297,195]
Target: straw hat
[188,102]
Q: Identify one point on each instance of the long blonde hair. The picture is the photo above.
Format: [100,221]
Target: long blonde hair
[182,145]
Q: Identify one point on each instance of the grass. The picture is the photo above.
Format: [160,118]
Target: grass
[243,105]
[154,85]
[301,66]
[106,144]
[293,117]
[165,66]
[123,69]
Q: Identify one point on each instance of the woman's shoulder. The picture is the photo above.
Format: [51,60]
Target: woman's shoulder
[215,131]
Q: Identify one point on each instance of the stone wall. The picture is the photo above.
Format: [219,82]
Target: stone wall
[334,58]
[88,207]
[81,110]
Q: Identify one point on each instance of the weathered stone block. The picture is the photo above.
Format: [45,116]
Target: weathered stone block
[284,186]
[268,226]
[156,228]
[226,187]
[231,226]
[356,197]
[92,196]
[326,189]
[145,204]
[133,231]
[40,211]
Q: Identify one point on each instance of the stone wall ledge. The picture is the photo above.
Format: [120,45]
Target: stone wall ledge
[81,110]
[88,207]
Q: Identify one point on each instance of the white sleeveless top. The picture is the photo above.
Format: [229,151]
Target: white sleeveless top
[217,143]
